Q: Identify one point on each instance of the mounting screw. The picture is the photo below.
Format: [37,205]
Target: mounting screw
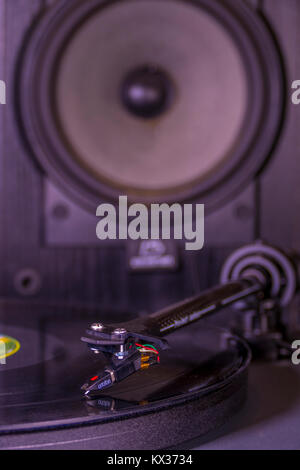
[95,351]
[97,326]
[27,282]
[120,331]
[60,211]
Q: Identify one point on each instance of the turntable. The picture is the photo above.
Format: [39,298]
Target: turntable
[141,343]
[148,373]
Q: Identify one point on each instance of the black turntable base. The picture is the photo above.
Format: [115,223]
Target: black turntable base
[198,385]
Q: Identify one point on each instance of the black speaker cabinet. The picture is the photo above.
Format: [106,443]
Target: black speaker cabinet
[222,132]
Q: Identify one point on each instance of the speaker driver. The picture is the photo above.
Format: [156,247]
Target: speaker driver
[158,99]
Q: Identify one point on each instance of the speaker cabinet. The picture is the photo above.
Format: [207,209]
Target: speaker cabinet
[161,100]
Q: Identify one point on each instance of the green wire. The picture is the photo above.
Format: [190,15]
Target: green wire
[150,346]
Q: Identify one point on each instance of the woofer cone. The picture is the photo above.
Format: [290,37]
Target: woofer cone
[51,132]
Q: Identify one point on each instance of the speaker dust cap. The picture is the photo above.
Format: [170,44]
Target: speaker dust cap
[157,99]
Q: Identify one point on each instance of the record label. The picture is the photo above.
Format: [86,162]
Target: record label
[8,347]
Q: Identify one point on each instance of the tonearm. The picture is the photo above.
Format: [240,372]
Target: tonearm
[259,279]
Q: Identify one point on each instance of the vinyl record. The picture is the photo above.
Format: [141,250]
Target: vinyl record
[204,372]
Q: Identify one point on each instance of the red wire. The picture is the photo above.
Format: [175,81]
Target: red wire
[149,349]
[146,347]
